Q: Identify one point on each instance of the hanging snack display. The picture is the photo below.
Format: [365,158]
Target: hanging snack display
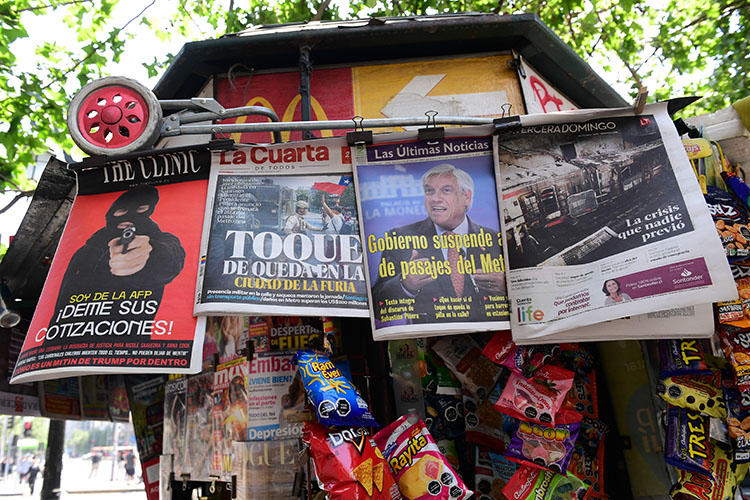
[335,399]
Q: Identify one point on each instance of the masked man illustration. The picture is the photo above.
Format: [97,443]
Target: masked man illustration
[448,195]
[131,253]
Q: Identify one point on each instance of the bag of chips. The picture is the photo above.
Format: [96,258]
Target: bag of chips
[682,356]
[701,393]
[547,447]
[349,465]
[444,416]
[531,483]
[415,459]
[333,396]
[735,343]
[730,219]
[538,399]
[687,440]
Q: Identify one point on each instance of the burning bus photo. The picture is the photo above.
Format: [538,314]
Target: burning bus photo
[568,191]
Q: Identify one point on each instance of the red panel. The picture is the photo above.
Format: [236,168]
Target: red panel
[331,90]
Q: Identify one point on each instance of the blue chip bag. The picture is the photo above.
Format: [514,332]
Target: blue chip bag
[334,397]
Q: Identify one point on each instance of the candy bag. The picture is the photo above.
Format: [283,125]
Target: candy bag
[582,396]
[679,357]
[499,347]
[349,465]
[737,312]
[738,423]
[464,358]
[687,440]
[491,473]
[538,399]
[333,396]
[576,358]
[719,485]
[420,469]
[547,447]
[589,468]
[484,423]
[701,393]
[530,483]
[444,416]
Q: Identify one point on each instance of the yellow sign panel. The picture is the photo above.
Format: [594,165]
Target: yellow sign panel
[471,86]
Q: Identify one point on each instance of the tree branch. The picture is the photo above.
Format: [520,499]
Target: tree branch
[10,181]
[96,46]
[319,14]
[43,7]
[18,197]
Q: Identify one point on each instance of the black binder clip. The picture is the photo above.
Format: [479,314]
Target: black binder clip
[359,134]
[683,128]
[431,132]
[506,124]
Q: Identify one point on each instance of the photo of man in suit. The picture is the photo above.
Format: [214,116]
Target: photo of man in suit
[448,196]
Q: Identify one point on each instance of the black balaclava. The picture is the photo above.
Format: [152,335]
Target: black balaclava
[130,200]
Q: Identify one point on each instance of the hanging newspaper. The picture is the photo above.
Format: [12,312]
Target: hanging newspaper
[118,294]
[604,218]
[431,235]
[281,233]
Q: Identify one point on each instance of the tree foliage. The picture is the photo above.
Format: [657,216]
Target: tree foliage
[675,47]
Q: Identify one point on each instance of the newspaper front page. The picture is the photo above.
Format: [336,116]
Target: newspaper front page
[431,235]
[603,219]
[281,233]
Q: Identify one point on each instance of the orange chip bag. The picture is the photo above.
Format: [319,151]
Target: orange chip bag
[349,465]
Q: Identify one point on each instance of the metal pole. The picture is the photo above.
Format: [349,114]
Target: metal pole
[115,439]
[2,448]
[53,461]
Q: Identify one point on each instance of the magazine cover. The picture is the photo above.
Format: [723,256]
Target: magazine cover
[146,397]
[229,415]
[119,409]
[431,236]
[281,233]
[603,218]
[266,469]
[285,333]
[118,295]
[175,422]
[94,397]
[276,398]
[60,398]
[19,404]
[199,440]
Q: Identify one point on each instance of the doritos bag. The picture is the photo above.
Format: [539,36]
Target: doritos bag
[349,465]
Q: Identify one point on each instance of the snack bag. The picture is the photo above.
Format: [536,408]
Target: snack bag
[589,468]
[591,434]
[701,393]
[738,423]
[719,485]
[538,399]
[679,357]
[491,473]
[444,416]
[333,396]
[547,447]
[464,358]
[687,440]
[576,358]
[349,465]
[736,346]
[484,424]
[730,219]
[420,469]
[499,347]
[582,396]
[530,483]
[737,312]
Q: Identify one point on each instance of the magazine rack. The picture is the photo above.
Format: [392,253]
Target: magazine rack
[182,489]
